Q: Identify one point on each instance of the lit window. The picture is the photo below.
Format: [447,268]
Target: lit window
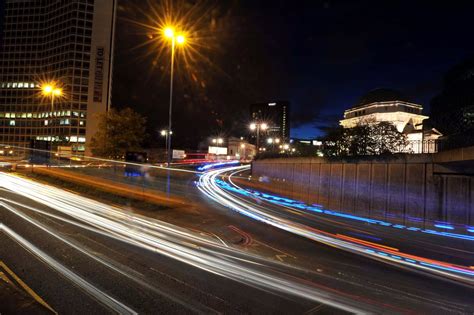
[66,121]
[7,115]
[45,122]
[73,139]
[23,115]
[12,123]
[82,139]
[14,85]
[9,85]
[81,123]
[20,85]
[29,115]
[32,85]
[25,85]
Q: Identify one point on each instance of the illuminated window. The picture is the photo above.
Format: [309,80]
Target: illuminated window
[14,85]
[20,85]
[12,123]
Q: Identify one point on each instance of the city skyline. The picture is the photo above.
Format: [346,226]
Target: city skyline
[319,56]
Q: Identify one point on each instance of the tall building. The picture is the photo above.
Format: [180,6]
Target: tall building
[64,43]
[387,105]
[277,117]
[452,110]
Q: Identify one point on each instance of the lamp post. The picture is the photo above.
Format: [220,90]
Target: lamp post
[258,126]
[218,141]
[52,91]
[164,133]
[273,142]
[170,34]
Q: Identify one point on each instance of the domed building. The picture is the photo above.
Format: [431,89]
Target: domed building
[387,105]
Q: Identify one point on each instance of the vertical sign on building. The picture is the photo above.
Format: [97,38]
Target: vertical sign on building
[99,74]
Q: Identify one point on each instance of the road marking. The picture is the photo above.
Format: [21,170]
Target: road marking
[26,287]
[275,249]
[65,272]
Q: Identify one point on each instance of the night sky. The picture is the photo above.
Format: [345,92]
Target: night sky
[322,56]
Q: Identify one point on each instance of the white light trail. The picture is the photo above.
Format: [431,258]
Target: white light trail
[179,244]
[208,184]
[101,296]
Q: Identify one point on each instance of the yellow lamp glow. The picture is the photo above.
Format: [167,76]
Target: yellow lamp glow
[169,32]
[180,39]
[57,92]
[47,89]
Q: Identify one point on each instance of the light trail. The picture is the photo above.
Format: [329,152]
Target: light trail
[231,197]
[101,296]
[180,244]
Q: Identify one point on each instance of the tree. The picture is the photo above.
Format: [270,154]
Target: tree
[365,139]
[118,131]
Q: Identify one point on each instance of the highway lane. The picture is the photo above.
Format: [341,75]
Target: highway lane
[84,256]
[359,282]
[363,239]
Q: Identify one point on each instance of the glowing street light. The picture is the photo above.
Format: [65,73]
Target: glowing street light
[180,39]
[164,133]
[51,90]
[258,126]
[170,34]
[218,141]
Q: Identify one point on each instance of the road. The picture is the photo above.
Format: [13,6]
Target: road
[82,255]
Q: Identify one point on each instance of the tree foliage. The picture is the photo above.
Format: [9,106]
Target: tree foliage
[119,131]
[365,139]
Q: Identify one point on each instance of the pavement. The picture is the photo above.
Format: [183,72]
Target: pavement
[306,276]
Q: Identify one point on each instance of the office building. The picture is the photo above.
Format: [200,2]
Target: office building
[276,117]
[63,44]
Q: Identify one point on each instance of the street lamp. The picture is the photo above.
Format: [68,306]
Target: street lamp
[218,141]
[170,34]
[52,91]
[164,133]
[258,126]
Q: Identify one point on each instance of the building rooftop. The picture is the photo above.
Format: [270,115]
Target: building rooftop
[381,95]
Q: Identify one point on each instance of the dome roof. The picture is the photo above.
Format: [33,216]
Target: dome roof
[381,95]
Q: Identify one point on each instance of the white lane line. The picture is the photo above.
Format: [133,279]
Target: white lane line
[99,295]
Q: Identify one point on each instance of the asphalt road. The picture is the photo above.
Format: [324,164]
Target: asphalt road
[89,257]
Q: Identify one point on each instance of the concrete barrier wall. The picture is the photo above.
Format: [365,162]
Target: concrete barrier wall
[412,190]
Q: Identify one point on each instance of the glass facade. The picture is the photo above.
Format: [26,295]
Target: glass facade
[47,41]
